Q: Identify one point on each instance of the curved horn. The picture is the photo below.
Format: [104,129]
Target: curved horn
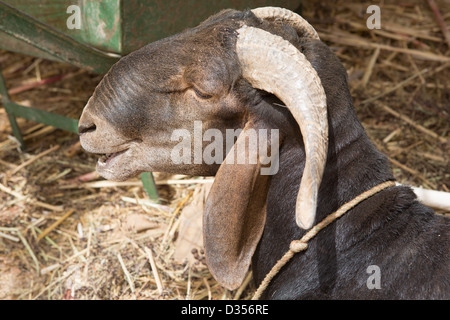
[273,64]
[296,21]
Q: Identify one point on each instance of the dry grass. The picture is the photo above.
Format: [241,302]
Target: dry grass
[61,240]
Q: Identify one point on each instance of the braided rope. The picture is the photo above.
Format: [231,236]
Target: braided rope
[302,244]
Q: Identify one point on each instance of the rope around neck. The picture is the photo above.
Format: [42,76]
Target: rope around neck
[302,244]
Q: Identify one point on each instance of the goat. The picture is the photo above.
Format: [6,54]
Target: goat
[267,69]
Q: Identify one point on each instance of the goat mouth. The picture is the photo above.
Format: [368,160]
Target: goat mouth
[106,158]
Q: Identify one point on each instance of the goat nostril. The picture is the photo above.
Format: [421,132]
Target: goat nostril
[86,128]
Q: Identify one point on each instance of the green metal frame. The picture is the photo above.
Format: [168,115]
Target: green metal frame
[16,110]
[53,42]
[63,48]
[7,103]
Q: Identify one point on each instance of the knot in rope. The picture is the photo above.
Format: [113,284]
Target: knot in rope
[297,246]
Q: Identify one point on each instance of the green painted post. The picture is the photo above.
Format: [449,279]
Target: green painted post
[12,119]
[149,186]
[42,116]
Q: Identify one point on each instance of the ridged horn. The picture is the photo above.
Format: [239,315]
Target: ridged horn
[273,64]
[302,26]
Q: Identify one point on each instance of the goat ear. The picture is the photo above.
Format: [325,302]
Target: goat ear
[235,210]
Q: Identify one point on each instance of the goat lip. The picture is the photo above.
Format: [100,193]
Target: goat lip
[107,158]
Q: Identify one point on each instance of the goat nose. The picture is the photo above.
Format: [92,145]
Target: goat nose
[88,127]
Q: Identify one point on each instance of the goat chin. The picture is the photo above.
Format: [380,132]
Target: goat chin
[267,70]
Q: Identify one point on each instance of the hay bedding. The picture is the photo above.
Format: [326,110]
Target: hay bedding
[61,238]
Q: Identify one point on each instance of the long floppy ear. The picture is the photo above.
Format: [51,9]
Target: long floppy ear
[235,210]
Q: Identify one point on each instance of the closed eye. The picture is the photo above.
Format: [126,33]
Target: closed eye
[200,94]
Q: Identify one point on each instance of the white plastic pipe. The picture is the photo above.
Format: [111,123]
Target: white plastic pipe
[432,198]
